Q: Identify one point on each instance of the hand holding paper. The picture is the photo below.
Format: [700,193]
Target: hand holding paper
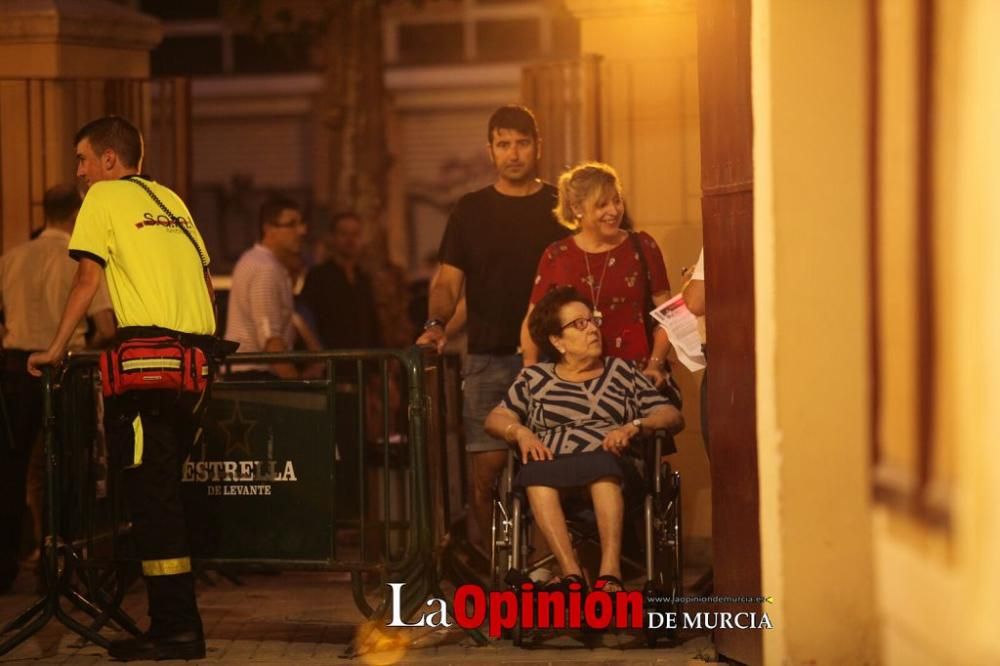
[682,328]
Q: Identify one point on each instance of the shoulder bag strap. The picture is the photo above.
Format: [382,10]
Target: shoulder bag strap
[180,225]
[647,281]
[173,218]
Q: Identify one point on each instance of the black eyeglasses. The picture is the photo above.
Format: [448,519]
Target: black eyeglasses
[581,323]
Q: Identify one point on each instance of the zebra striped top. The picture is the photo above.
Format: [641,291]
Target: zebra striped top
[574,417]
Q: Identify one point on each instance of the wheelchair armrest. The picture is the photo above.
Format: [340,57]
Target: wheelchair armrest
[662,444]
[658,444]
[507,480]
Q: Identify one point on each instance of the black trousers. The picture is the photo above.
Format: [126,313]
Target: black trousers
[19,428]
[150,433]
[347,486]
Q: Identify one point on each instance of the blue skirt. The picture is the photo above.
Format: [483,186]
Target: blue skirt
[570,471]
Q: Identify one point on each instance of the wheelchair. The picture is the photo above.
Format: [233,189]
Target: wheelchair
[660,562]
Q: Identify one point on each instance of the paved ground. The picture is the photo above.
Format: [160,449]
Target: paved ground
[311,618]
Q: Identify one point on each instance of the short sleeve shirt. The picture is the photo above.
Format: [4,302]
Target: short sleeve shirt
[614,282]
[574,417]
[35,280]
[155,274]
[496,241]
[260,302]
[699,268]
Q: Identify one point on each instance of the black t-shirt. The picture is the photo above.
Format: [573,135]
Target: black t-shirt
[344,311]
[496,240]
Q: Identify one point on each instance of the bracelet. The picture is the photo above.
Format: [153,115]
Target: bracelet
[506,432]
[657,360]
[433,323]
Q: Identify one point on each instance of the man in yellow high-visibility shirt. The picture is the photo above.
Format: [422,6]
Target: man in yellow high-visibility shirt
[130,227]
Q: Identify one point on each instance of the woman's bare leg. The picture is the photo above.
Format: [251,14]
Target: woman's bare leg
[486,469]
[551,521]
[609,507]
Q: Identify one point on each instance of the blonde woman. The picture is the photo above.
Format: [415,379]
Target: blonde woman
[602,261]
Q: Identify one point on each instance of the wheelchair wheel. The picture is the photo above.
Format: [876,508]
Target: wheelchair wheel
[664,539]
[501,552]
[518,555]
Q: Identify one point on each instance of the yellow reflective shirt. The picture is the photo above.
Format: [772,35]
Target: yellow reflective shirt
[154,273]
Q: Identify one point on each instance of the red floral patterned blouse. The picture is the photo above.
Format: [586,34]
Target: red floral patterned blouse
[613,280]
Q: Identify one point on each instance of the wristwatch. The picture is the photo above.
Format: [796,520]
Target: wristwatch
[638,425]
[431,323]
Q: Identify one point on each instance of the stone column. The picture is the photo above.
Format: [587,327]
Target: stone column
[62,63]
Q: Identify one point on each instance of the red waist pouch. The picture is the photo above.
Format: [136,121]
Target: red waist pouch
[142,364]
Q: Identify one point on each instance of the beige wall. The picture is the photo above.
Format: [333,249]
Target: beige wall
[855,582]
[937,589]
[812,387]
[651,136]
[93,39]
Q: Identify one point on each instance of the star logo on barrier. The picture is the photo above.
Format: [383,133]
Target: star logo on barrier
[237,431]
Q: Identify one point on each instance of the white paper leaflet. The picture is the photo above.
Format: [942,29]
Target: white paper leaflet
[682,328]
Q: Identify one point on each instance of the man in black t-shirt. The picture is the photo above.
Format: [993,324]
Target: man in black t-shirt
[339,290]
[340,297]
[491,246]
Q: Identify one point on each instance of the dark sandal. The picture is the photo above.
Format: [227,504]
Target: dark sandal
[613,580]
[564,582]
[516,579]
[562,585]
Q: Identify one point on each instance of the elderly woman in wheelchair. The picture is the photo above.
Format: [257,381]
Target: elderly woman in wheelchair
[571,420]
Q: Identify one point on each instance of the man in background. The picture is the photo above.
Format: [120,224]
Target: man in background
[340,296]
[261,303]
[35,280]
[339,293]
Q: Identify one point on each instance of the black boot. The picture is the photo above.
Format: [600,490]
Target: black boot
[175,630]
[154,647]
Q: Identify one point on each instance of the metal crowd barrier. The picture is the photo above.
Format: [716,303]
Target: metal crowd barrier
[358,471]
